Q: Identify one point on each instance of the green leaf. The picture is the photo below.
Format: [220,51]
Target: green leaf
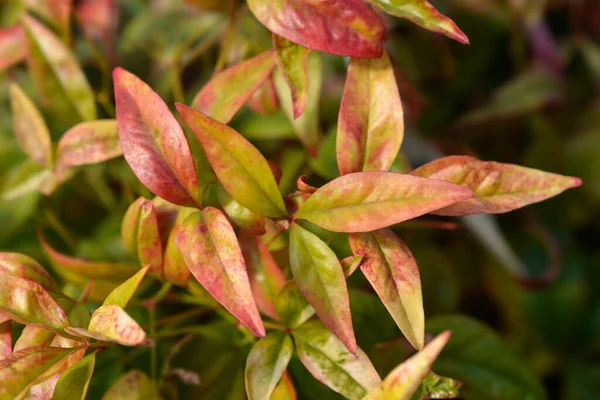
[20,265]
[89,143]
[392,271]
[223,96]
[404,380]
[240,167]
[134,385]
[266,363]
[20,370]
[122,294]
[111,323]
[292,61]
[497,187]
[141,235]
[28,303]
[371,120]
[342,27]
[13,46]
[59,78]
[321,280]
[477,357]
[242,217]
[424,14]
[367,201]
[212,253]
[153,143]
[30,128]
[292,307]
[306,125]
[438,387]
[74,382]
[329,362]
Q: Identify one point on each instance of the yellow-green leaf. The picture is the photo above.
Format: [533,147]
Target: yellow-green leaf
[89,143]
[73,384]
[122,294]
[292,61]
[26,267]
[111,323]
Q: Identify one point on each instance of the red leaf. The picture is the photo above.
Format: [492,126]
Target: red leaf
[342,27]
[13,46]
[153,143]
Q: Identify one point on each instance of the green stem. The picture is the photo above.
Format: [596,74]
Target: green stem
[152,317]
[60,229]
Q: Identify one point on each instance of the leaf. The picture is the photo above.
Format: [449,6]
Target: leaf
[240,167]
[342,27]
[306,125]
[424,14]
[285,389]
[5,337]
[99,20]
[476,356]
[329,362]
[33,335]
[141,235]
[265,101]
[404,380]
[55,12]
[73,384]
[89,143]
[20,265]
[350,264]
[212,253]
[266,363]
[134,385]
[367,201]
[58,77]
[174,267]
[28,303]
[20,370]
[30,128]
[292,307]
[292,62]
[153,143]
[111,323]
[13,46]
[497,187]
[122,294]
[242,217]
[392,271]
[223,96]
[320,278]
[435,386]
[371,120]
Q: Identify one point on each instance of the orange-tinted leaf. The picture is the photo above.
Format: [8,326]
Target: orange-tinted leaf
[264,101]
[5,337]
[13,46]
[20,370]
[285,389]
[392,271]
[58,77]
[28,303]
[240,167]
[212,253]
[122,294]
[30,128]
[292,61]
[226,93]
[319,276]
[25,267]
[405,379]
[330,363]
[350,264]
[370,122]
[140,233]
[367,201]
[497,187]
[266,363]
[424,14]
[89,143]
[111,323]
[242,217]
[153,143]
[33,335]
[342,27]
[292,307]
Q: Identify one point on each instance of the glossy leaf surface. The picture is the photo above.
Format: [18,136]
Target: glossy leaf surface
[405,379]
[266,363]
[292,62]
[30,128]
[223,96]
[346,28]
[89,143]
[367,201]
[73,384]
[240,167]
[211,251]
[122,294]
[321,280]
[371,120]
[153,143]
[422,13]
[497,187]
[392,271]
[329,362]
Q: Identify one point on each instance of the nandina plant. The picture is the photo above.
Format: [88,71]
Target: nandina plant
[226,241]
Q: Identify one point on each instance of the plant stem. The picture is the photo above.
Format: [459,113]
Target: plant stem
[60,229]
